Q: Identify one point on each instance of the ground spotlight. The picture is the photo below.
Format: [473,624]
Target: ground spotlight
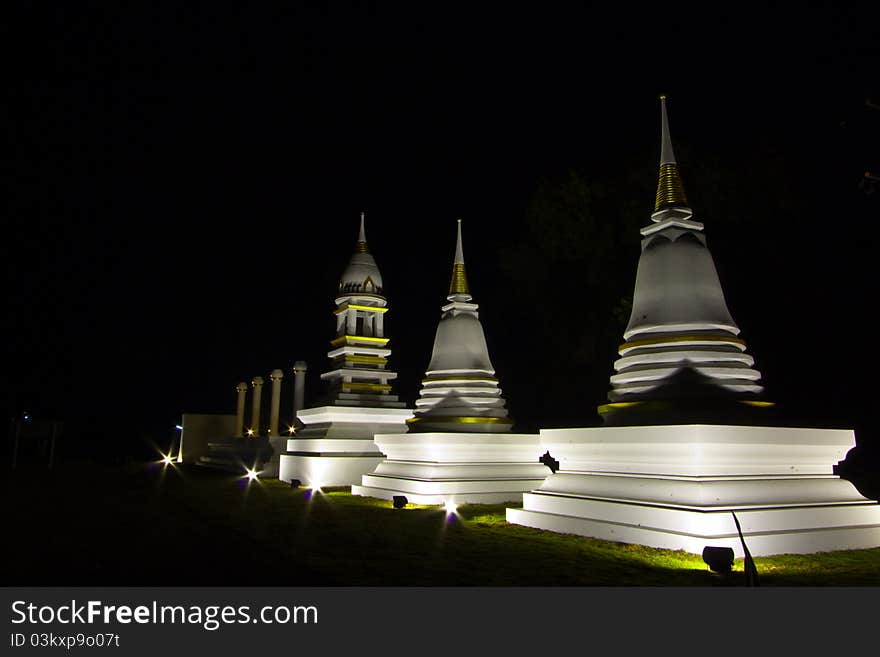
[167,460]
[719,559]
[399,501]
[451,507]
[251,474]
[295,483]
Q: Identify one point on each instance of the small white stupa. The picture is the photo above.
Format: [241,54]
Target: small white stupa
[688,455]
[459,449]
[335,447]
[460,385]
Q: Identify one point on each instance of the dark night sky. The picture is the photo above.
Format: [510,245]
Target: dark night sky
[185,184]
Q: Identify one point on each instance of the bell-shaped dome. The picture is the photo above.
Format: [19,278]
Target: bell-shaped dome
[677,288]
[460,344]
[362,274]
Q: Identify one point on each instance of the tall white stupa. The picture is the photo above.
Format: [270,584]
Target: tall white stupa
[335,447]
[459,448]
[686,455]
[682,355]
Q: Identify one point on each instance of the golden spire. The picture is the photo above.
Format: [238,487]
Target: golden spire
[362,239]
[670,191]
[458,284]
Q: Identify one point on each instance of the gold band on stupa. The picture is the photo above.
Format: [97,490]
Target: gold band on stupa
[361,248]
[670,191]
[459,284]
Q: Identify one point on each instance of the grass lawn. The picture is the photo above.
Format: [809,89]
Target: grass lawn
[84,524]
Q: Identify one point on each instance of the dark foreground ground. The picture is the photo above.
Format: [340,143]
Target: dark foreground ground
[144,524]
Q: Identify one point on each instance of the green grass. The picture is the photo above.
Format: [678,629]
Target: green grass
[138,525]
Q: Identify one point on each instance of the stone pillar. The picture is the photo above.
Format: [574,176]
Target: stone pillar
[379,327]
[255,413]
[239,414]
[275,406]
[299,388]
[351,322]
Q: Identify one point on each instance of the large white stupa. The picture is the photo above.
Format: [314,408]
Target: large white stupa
[682,354]
[686,454]
[335,446]
[459,448]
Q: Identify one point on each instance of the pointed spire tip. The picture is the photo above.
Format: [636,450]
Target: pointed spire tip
[459,284]
[670,191]
[362,237]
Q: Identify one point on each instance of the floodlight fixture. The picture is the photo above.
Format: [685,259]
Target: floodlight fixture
[719,559]
[399,501]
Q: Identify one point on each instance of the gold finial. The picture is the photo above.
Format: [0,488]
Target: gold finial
[670,191]
[459,284]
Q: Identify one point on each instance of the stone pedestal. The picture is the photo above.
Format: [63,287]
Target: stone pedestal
[461,468]
[241,388]
[277,443]
[255,411]
[299,388]
[275,402]
[335,448]
[675,487]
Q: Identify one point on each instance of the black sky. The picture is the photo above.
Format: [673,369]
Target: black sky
[184,186]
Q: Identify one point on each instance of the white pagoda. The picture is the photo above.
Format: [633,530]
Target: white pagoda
[459,448]
[335,446]
[688,451]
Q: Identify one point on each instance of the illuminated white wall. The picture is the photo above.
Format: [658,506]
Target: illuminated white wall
[441,468]
[675,487]
[336,446]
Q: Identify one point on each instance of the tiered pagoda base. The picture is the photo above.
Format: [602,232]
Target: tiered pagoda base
[335,448]
[458,468]
[676,487]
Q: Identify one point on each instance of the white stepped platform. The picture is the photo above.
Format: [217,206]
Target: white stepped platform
[335,448]
[460,468]
[675,487]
